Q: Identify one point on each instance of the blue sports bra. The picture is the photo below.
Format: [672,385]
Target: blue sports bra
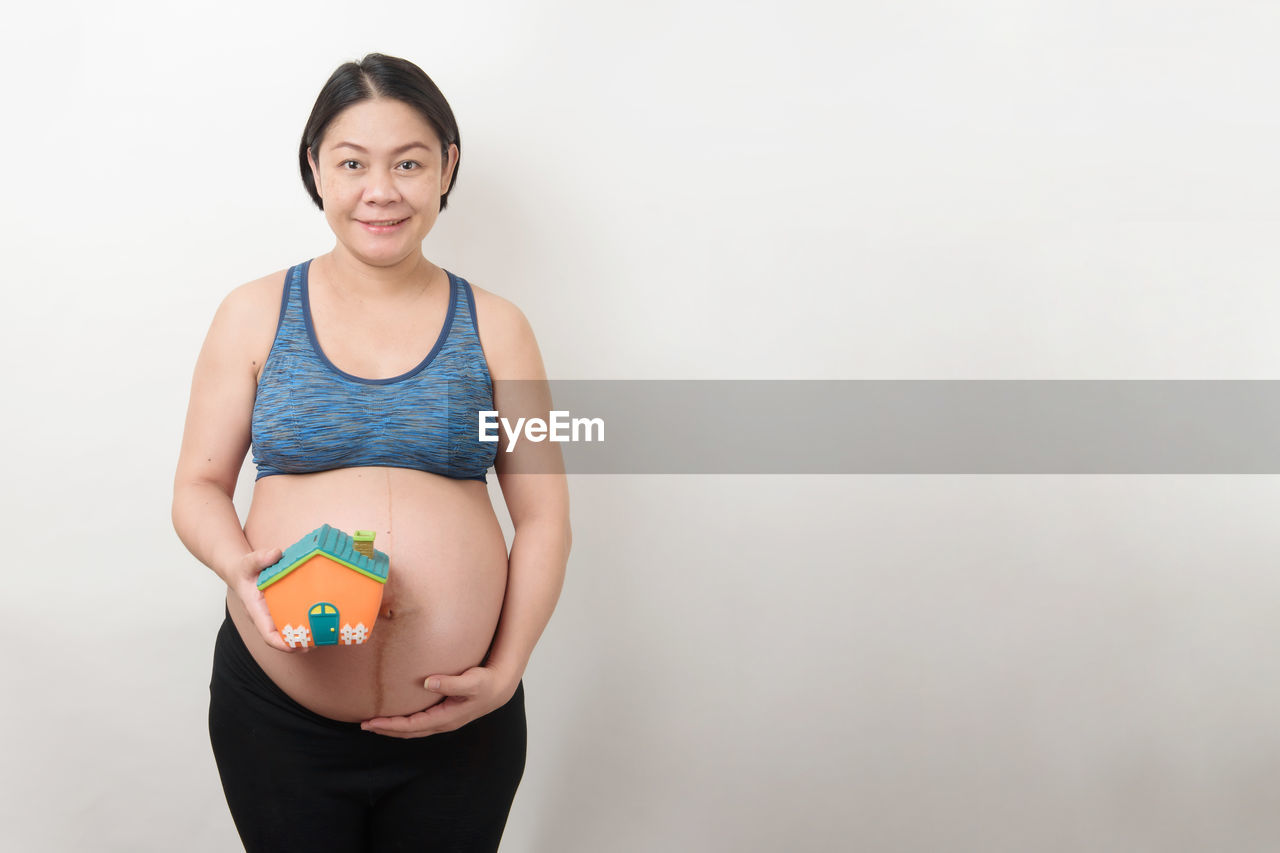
[310,416]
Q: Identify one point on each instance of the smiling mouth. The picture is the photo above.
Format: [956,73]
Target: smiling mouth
[385,223]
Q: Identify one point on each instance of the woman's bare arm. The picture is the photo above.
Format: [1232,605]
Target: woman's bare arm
[214,443]
[533,483]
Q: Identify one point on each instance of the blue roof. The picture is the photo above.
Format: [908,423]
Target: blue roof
[333,543]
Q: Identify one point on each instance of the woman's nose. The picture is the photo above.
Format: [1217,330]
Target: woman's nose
[381,187]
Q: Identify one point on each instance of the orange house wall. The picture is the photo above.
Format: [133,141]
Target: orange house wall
[356,596]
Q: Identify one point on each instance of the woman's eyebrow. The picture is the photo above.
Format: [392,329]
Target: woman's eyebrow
[396,151]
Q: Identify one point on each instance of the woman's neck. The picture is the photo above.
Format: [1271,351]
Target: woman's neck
[357,279]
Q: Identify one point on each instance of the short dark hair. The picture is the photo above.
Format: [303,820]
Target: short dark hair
[379,76]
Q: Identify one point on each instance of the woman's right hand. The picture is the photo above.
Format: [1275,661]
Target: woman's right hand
[243,581]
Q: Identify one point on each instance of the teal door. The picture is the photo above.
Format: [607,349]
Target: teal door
[324,624]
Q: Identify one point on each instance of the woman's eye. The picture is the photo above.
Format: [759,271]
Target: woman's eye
[412,164]
[345,162]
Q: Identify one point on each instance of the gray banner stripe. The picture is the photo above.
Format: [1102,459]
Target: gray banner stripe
[925,426]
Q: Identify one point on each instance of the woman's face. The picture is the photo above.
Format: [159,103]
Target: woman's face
[379,172]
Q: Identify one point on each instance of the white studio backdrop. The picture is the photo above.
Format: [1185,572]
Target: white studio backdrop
[692,190]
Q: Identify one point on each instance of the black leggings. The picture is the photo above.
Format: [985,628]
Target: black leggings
[296,780]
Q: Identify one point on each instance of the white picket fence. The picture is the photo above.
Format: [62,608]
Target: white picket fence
[301,635]
[350,635]
[295,637]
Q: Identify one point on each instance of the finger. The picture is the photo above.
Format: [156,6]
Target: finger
[267,627]
[275,640]
[403,735]
[413,724]
[267,630]
[441,717]
[467,684]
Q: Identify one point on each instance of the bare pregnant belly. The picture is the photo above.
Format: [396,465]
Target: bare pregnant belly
[441,602]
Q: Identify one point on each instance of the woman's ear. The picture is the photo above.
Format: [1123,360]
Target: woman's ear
[446,178]
[315,172]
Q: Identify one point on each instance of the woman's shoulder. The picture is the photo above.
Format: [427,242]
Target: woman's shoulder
[257,295]
[250,312]
[506,336]
[494,311]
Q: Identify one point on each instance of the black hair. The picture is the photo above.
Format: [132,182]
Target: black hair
[379,76]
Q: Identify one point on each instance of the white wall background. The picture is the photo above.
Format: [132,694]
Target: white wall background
[692,190]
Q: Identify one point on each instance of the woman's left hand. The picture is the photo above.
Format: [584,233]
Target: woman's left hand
[468,696]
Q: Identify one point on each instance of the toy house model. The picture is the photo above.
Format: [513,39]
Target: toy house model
[326,589]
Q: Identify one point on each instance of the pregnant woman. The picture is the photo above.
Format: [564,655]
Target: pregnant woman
[356,378]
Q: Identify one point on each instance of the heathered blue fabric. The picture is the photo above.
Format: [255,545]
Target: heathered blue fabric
[310,416]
